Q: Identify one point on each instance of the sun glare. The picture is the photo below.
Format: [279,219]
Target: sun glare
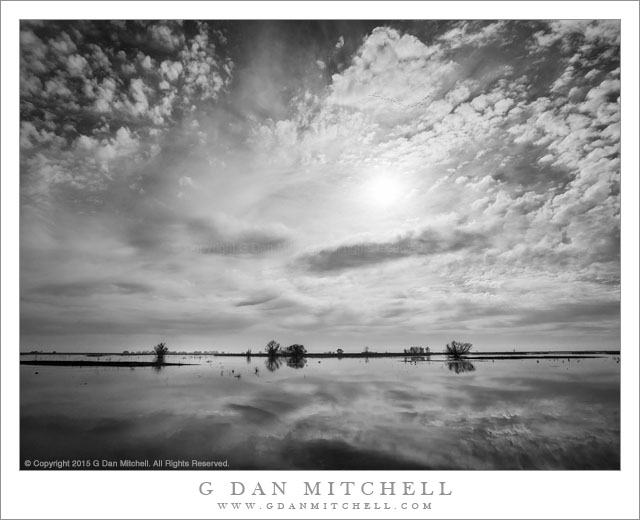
[383,191]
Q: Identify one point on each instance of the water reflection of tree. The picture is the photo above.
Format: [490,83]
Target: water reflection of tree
[296,362]
[414,359]
[273,363]
[460,366]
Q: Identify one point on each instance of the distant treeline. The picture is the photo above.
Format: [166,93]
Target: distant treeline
[551,353]
[274,349]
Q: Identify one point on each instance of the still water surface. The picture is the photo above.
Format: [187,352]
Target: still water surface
[329,413]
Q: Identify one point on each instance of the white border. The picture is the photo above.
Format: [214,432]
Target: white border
[476,494]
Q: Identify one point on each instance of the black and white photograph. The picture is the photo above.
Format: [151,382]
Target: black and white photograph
[320,245]
[306,244]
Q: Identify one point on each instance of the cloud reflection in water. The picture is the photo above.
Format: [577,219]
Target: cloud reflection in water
[340,414]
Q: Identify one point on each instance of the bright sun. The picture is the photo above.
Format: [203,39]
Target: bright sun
[383,191]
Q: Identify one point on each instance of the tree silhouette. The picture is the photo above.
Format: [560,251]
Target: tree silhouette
[457,349]
[272,349]
[295,351]
[161,350]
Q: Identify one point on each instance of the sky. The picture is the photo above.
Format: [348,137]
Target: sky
[339,184]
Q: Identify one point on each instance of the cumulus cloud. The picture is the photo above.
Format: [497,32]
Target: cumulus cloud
[462,34]
[140,104]
[63,44]
[171,70]
[590,31]
[163,36]
[390,70]
[204,76]
[76,65]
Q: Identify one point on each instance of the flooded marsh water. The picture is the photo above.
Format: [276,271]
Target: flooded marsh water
[375,414]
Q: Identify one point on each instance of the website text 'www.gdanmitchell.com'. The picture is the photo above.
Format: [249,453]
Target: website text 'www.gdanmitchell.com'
[323,505]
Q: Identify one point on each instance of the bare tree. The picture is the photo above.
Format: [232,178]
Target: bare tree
[272,349]
[458,349]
